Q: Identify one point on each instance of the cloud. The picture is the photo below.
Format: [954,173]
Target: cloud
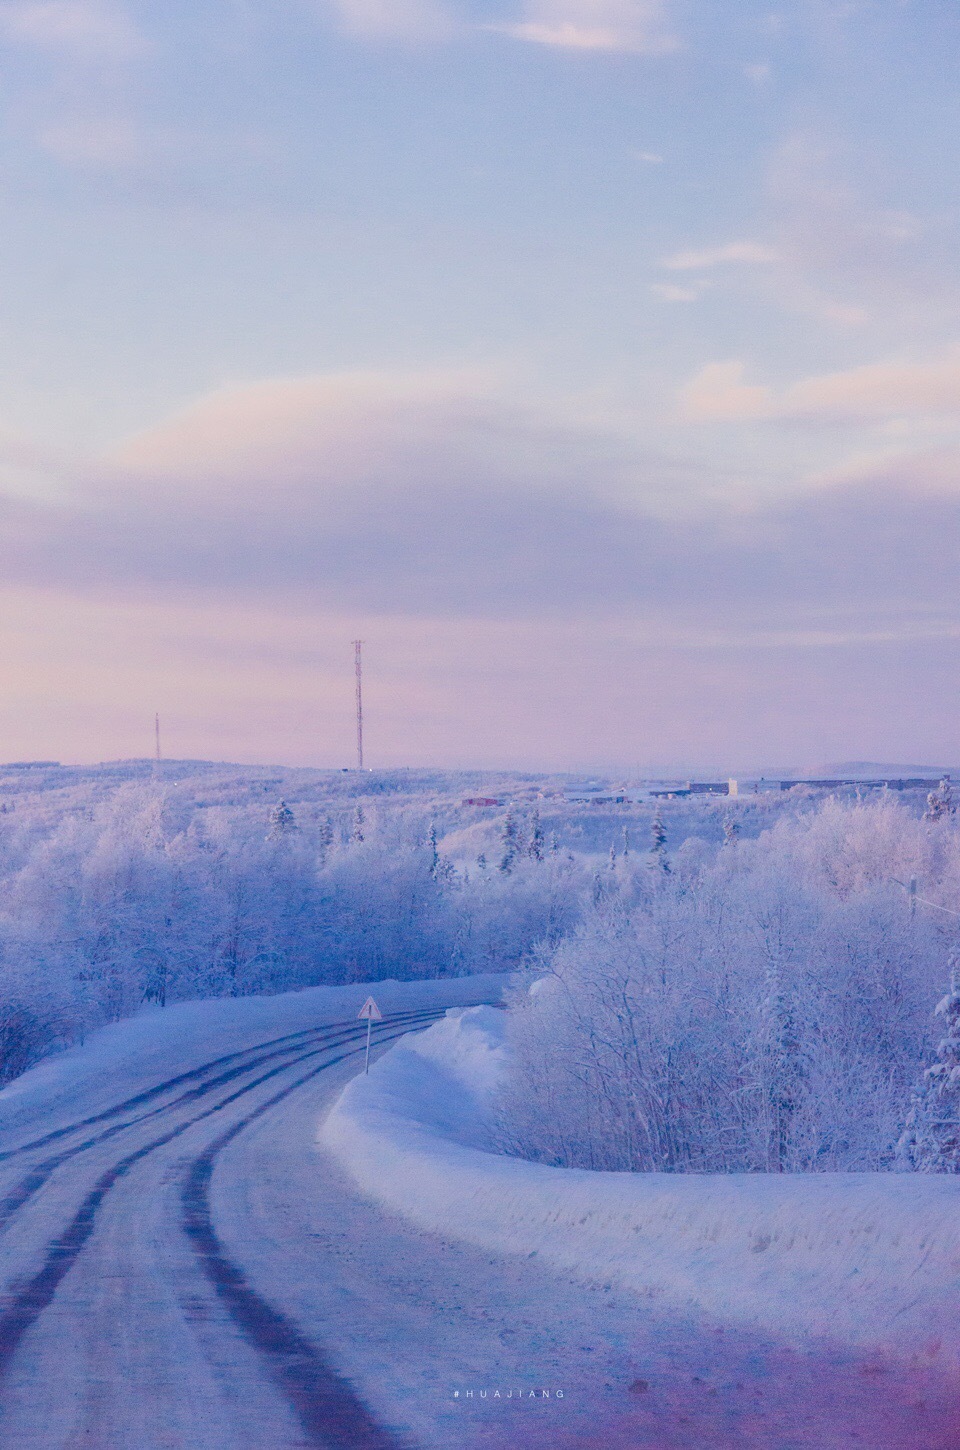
[718,394]
[108,141]
[670,292]
[430,497]
[742,253]
[633,26]
[410,20]
[874,392]
[79,29]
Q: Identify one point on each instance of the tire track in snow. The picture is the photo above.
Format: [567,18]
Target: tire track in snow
[25,1304]
[33,1181]
[168,1085]
[332,1414]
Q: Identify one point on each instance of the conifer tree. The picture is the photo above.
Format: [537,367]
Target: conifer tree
[358,825]
[658,843]
[509,843]
[434,852]
[536,844]
[940,801]
[324,840]
[931,1140]
[282,821]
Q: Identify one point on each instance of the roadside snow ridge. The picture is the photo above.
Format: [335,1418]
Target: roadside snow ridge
[869,1259]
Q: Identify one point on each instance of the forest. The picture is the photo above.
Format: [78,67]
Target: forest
[736,987]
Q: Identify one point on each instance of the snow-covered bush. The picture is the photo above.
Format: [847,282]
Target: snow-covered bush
[766,1009]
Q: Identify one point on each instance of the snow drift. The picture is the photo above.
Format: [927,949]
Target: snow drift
[872,1260]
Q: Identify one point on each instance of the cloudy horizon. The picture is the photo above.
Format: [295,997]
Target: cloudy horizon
[595,361]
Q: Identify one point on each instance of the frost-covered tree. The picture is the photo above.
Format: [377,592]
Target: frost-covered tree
[324,840]
[658,844]
[282,821]
[509,843]
[731,831]
[940,801]
[535,845]
[358,835]
[433,850]
[931,1141]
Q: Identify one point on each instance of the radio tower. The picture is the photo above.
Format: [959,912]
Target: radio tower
[357,643]
[156,731]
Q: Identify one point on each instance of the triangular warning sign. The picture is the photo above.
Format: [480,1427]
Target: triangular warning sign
[371,1011]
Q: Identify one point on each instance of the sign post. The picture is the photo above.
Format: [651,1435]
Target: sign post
[372,1013]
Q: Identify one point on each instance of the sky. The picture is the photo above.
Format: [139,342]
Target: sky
[596,362]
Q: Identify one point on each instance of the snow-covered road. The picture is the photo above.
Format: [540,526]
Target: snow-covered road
[183,1269]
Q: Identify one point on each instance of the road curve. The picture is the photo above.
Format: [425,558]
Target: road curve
[61,1214]
[181,1268]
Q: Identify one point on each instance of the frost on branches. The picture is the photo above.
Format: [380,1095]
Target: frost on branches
[931,1142]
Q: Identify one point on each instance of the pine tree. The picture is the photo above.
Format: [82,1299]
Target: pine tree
[658,844]
[358,825]
[324,840]
[554,844]
[509,843]
[536,844]
[434,852]
[482,861]
[931,1140]
[940,801]
[626,843]
[282,821]
[613,857]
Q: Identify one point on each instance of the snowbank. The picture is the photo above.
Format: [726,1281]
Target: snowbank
[869,1259]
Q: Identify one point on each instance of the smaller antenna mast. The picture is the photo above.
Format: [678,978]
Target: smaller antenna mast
[156,731]
[357,643]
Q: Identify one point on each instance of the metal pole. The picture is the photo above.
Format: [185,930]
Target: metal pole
[369,1026]
[357,643]
[156,728]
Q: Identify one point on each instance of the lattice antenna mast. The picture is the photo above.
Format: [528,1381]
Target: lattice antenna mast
[156,731]
[358,663]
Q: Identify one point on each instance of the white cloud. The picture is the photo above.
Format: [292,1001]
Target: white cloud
[761,73]
[670,292]
[719,394]
[636,26]
[873,392]
[84,29]
[738,253]
[412,20]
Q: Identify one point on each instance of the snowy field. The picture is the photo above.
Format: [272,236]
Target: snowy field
[865,1260]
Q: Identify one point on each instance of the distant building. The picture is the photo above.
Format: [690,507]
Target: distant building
[480,800]
[587,796]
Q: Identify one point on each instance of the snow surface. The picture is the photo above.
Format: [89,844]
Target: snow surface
[868,1260]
